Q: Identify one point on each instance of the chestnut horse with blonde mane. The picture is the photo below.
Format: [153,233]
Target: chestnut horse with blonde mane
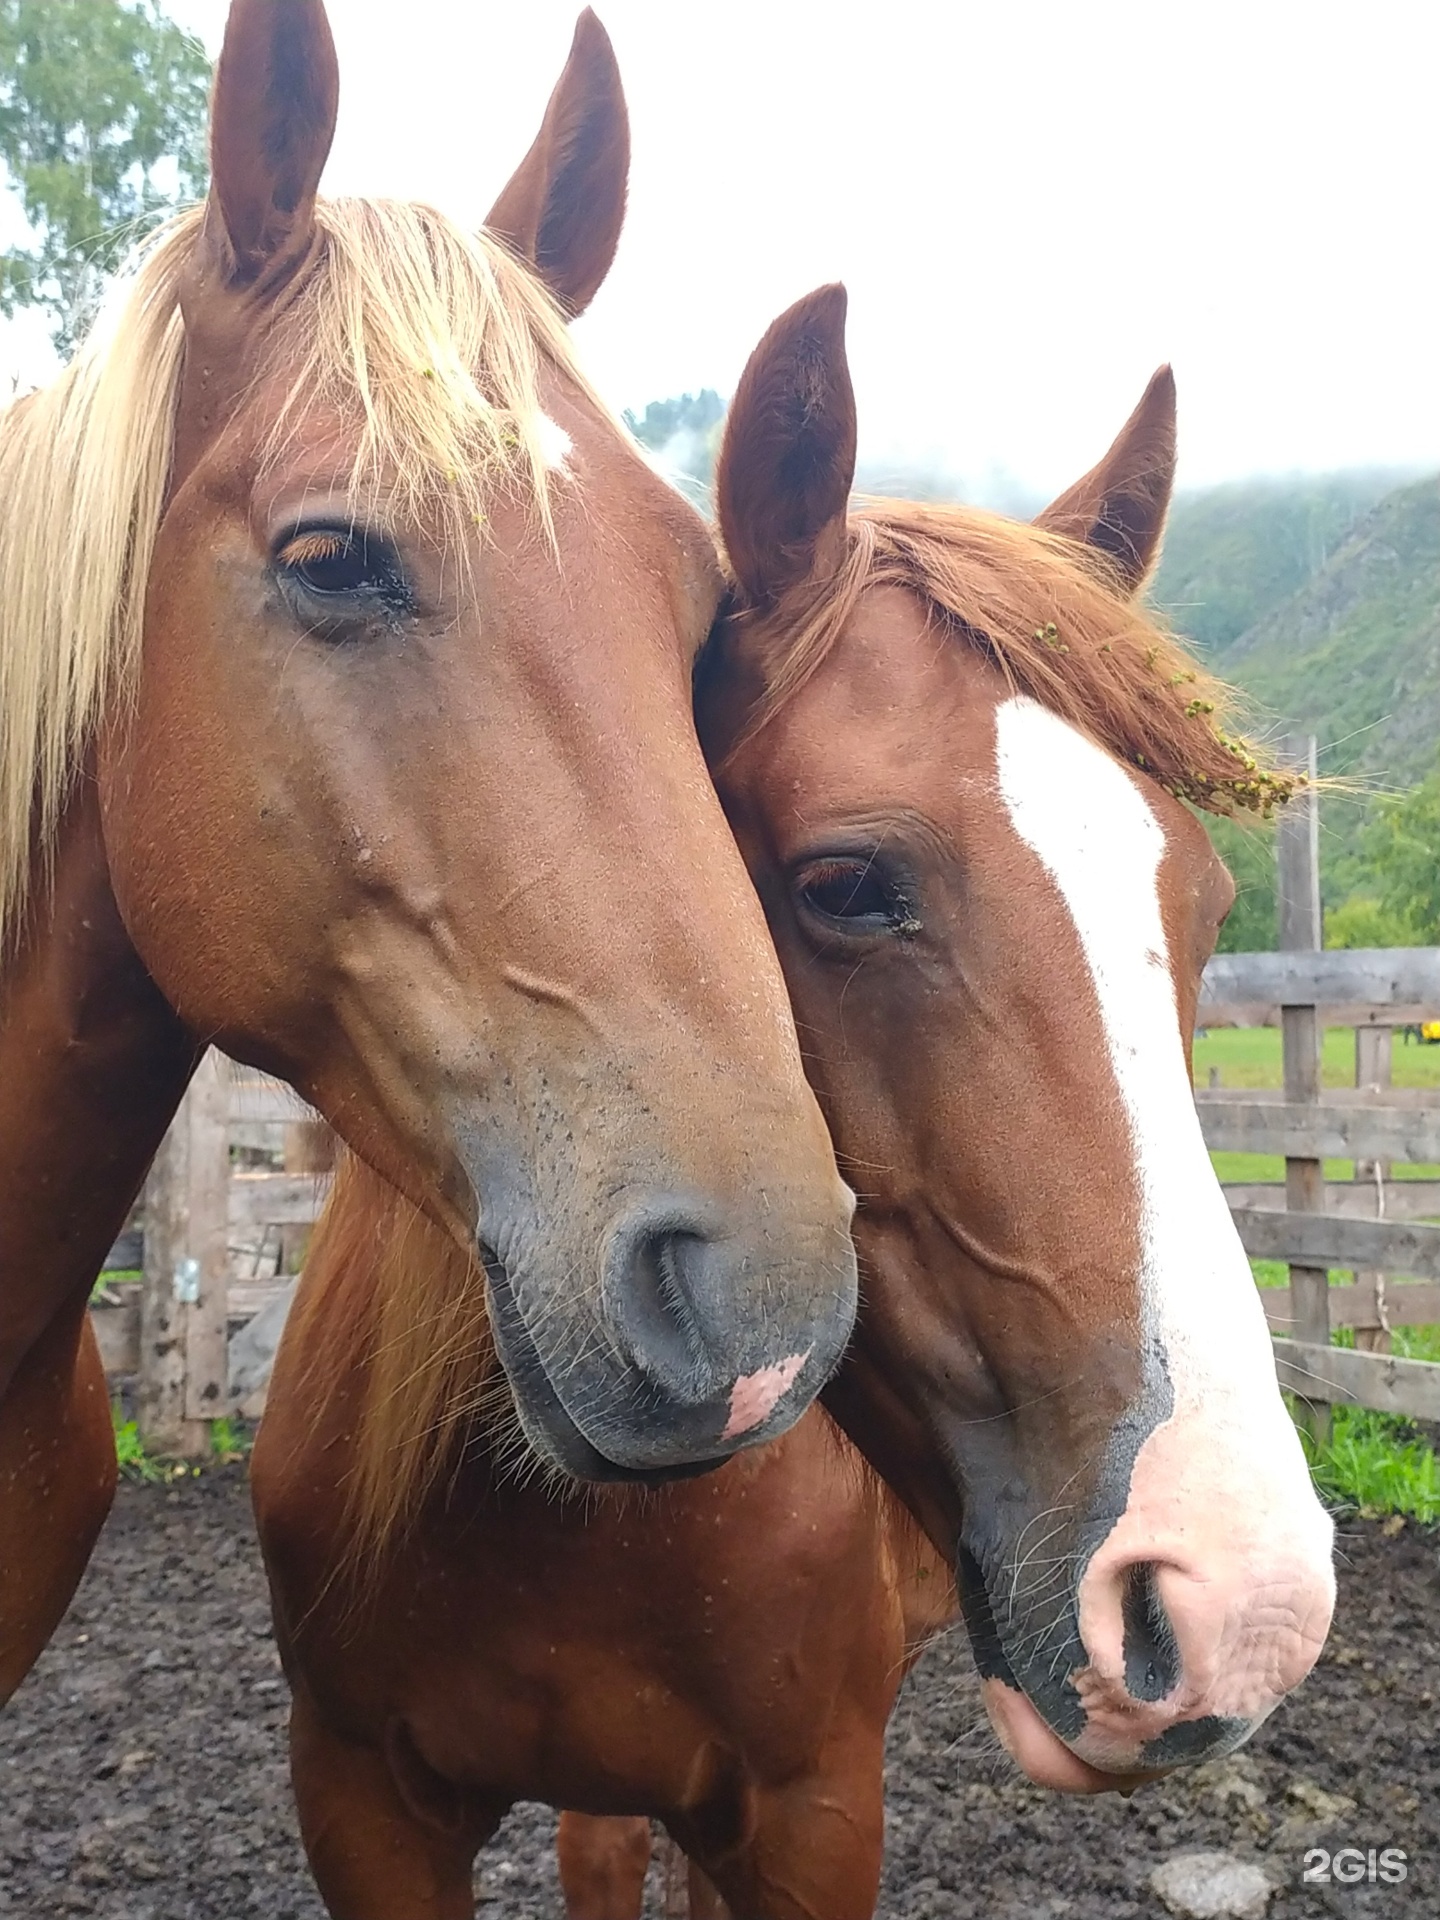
[951,747]
[345,722]
[722,1652]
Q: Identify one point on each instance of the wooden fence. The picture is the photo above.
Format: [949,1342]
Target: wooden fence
[1363,1225]
[201,1334]
[184,1330]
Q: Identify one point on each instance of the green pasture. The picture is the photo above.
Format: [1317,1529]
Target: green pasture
[1245,1057]
[1250,1057]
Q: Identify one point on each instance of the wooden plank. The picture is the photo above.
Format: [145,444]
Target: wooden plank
[252,1352]
[1380,1381]
[276,1199]
[117,1331]
[263,1100]
[1321,1240]
[182,1313]
[1373,1065]
[1300,930]
[206,1327]
[1401,980]
[1334,1130]
[1359,1099]
[1297,869]
[1262,1013]
[1407,1304]
[1348,1199]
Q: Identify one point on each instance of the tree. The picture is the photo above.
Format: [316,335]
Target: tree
[102,132]
[684,434]
[1248,850]
[1403,842]
[1364,922]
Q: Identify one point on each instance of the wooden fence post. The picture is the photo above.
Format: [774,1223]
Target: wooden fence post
[1374,1049]
[1297,853]
[183,1383]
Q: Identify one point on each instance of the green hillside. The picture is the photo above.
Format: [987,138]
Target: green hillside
[1234,552]
[1355,654]
[1352,653]
[1318,596]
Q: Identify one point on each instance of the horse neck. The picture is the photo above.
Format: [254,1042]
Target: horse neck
[875,1417]
[93,1064]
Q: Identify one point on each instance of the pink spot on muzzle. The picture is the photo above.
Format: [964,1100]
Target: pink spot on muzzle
[754,1395]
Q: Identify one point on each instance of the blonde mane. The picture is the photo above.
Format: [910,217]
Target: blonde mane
[1054,618]
[430,338]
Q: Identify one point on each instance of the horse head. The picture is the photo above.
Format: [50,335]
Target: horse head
[955,751]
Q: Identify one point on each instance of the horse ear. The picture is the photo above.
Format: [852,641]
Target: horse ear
[1120,506]
[788,457]
[272,118]
[565,204]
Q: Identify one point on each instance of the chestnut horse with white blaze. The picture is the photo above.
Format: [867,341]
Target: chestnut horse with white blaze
[345,721]
[946,743]
[954,751]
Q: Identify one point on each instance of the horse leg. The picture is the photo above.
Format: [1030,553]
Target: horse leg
[372,1856]
[814,1851]
[603,1862]
[705,1901]
[57,1479]
[92,1066]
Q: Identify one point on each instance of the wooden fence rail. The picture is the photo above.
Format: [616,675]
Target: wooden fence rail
[1351,1199]
[1327,1240]
[1371,986]
[1372,1301]
[1324,1130]
[1340,1377]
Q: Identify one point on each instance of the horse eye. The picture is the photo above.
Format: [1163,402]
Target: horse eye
[856,894]
[332,563]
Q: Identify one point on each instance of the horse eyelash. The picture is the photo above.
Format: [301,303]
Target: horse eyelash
[304,549]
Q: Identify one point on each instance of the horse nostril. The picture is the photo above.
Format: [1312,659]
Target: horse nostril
[663,1263]
[657,1284]
[1152,1657]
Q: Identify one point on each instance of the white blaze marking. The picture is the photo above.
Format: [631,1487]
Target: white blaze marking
[1225,1491]
[754,1395]
[556,446]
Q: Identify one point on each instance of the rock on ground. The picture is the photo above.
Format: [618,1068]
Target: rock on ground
[1212,1886]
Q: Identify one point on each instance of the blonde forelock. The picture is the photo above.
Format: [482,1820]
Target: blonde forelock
[427,340]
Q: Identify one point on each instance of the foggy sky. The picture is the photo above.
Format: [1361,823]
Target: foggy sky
[1032,205]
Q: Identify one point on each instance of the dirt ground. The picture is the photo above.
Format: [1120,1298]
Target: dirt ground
[142,1765]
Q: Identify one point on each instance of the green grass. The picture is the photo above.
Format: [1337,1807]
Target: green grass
[115,1277]
[229,1440]
[135,1462]
[1375,1464]
[1250,1057]
[1259,1167]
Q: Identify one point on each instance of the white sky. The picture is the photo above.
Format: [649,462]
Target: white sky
[1032,206]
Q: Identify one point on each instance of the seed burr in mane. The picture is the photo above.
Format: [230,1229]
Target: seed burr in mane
[1051,614]
[430,339]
